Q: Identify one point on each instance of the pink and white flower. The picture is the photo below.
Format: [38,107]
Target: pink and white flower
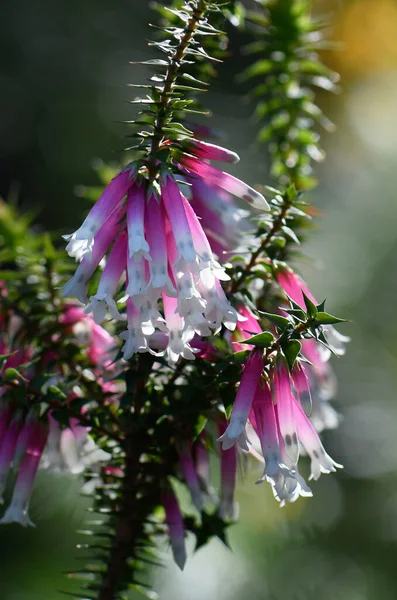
[17,512]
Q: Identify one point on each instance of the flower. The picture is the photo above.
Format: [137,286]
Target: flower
[176,528]
[322,383]
[17,512]
[27,441]
[190,474]
[228,507]
[157,246]
[280,471]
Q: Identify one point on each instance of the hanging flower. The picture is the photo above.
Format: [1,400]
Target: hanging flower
[176,528]
[161,252]
[28,440]
[280,425]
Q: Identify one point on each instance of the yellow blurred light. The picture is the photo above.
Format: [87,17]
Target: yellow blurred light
[367,30]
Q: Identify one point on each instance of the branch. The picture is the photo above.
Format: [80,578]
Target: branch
[170,78]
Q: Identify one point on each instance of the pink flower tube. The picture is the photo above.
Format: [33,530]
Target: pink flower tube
[228,508]
[8,445]
[211,151]
[17,512]
[175,209]
[115,266]
[284,401]
[190,474]
[176,528]
[223,180]
[82,240]
[137,244]
[242,405]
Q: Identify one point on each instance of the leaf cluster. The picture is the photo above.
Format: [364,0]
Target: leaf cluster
[170,94]
[284,76]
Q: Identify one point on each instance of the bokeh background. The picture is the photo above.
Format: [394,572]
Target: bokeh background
[63,95]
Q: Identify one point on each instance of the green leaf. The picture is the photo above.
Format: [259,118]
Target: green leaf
[297,313]
[152,61]
[291,350]
[291,234]
[310,306]
[56,393]
[3,358]
[261,67]
[278,320]
[324,318]
[11,374]
[261,340]
[201,423]
[241,356]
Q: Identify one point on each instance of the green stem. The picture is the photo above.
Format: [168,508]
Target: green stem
[170,78]
[276,227]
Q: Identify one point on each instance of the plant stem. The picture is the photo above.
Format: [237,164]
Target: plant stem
[277,224]
[125,532]
[171,75]
[129,522]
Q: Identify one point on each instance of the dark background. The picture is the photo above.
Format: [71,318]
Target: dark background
[64,66]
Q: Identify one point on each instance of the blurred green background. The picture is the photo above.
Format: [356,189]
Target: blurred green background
[64,66]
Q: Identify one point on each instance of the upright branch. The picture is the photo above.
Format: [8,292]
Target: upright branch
[165,96]
[285,73]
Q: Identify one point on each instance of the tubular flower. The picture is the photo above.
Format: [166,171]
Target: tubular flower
[282,474]
[228,507]
[322,383]
[17,512]
[157,245]
[176,528]
[242,405]
[190,474]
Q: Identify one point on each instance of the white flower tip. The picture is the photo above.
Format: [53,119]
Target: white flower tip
[15,515]
[226,442]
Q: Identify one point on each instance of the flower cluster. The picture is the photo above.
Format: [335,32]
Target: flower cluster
[161,253]
[30,435]
[269,412]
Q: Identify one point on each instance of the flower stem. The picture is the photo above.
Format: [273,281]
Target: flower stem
[126,530]
[267,240]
